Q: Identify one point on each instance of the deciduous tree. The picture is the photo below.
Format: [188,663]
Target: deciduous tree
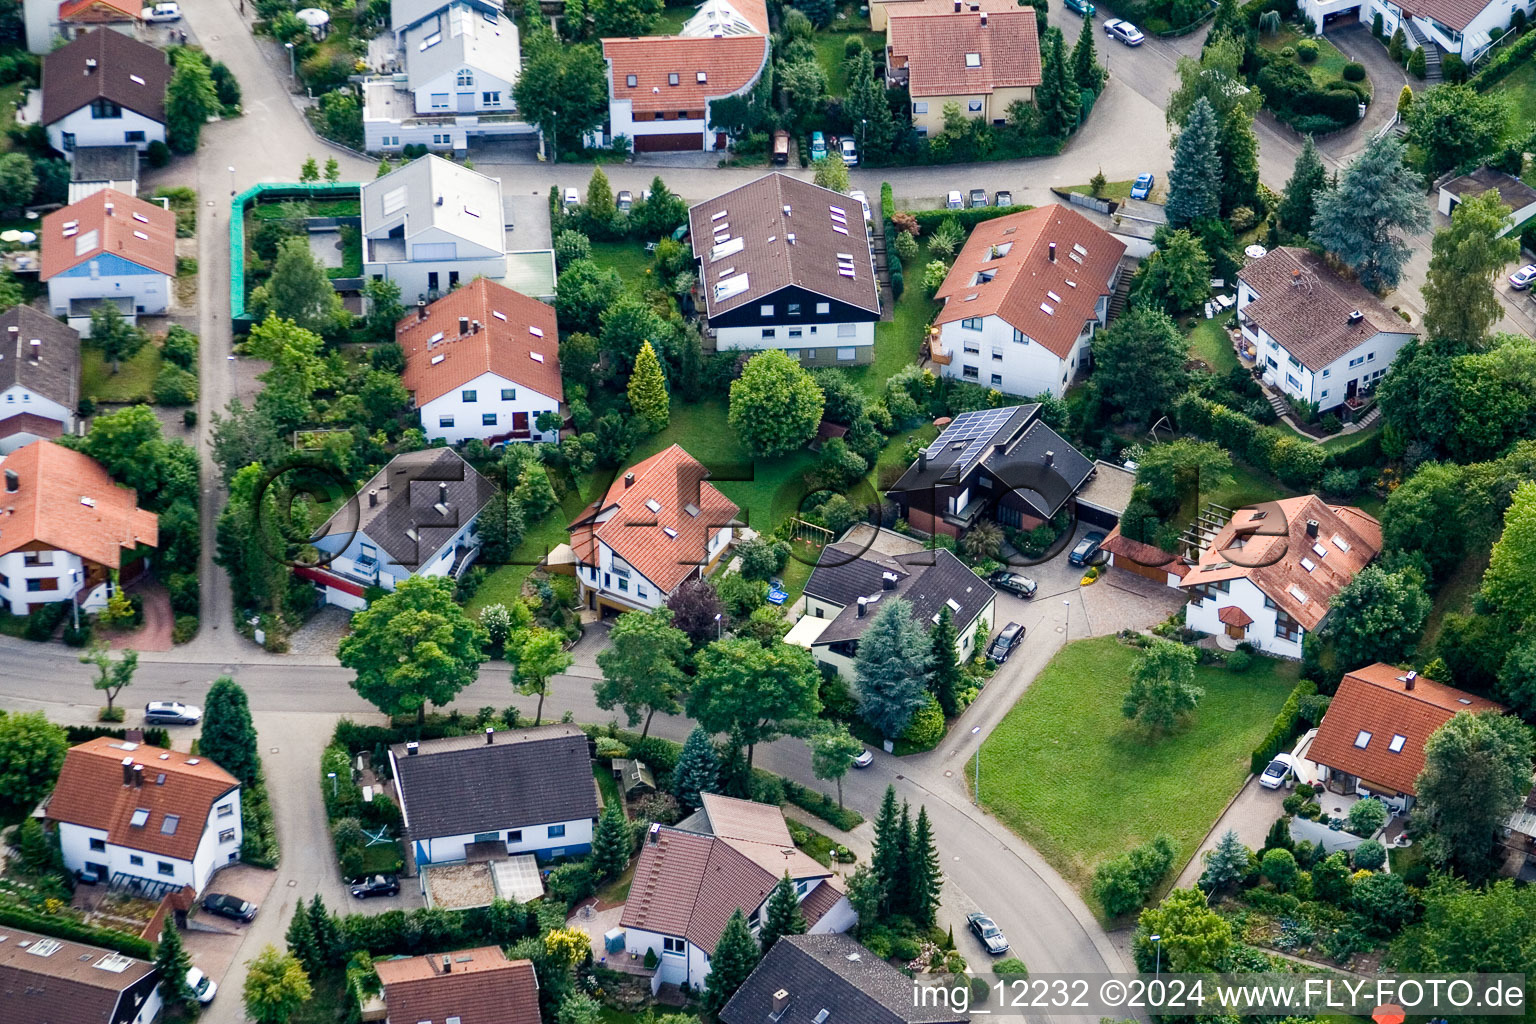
[537,655]
[562,89]
[1460,305]
[762,692]
[1362,218]
[1193,937]
[17,181]
[891,667]
[775,405]
[1162,685]
[190,100]
[299,289]
[1139,362]
[276,987]
[1457,127]
[697,611]
[643,667]
[833,749]
[832,173]
[1377,616]
[1477,769]
[1174,278]
[115,336]
[113,676]
[31,752]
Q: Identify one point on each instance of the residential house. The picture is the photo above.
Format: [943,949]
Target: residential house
[661,88]
[787,264]
[104,89]
[1024,299]
[833,977]
[982,62]
[1462,27]
[850,581]
[1371,740]
[39,377]
[405,15]
[48,21]
[483,362]
[1319,338]
[467,986]
[102,167]
[1003,464]
[112,248]
[45,980]
[690,878]
[461,63]
[432,225]
[148,819]
[659,525]
[881,11]
[519,791]
[71,533]
[415,517]
[1518,197]
[1268,575]
[1104,498]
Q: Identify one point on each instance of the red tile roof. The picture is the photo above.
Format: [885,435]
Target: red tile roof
[90,792]
[1376,700]
[1232,615]
[1026,276]
[479,986]
[1270,546]
[937,50]
[109,221]
[95,11]
[50,506]
[729,64]
[674,481]
[504,344]
[1456,14]
[1142,553]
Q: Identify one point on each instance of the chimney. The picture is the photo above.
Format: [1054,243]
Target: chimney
[1409,680]
[412,748]
[957,6]
[781,997]
[863,606]
[983,19]
[790,238]
[922,460]
[629,480]
[90,65]
[1356,316]
[421,309]
[127,771]
[1311,527]
[138,776]
[887,581]
[37,349]
[1053,252]
[489,732]
[12,481]
[1050,458]
[474,327]
[373,497]
[463,325]
[442,494]
[447,960]
[653,833]
[1295,277]
[108,208]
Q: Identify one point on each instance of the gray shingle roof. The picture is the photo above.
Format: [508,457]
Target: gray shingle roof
[460,785]
[432,192]
[832,973]
[105,163]
[467,36]
[926,580]
[55,373]
[405,13]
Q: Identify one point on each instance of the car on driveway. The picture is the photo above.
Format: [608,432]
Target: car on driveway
[864,760]
[625,201]
[849,150]
[232,907]
[375,885]
[1014,583]
[171,712]
[1003,198]
[1082,7]
[1142,186]
[988,932]
[955,201]
[203,987]
[978,198]
[572,197]
[1087,549]
[818,146]
[1521,279]
[1006,642]
[161,12]
[1281,768]
[1118,28]
[862,198]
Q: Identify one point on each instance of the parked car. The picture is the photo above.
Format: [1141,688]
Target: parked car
[864,760]
[203,987]
[1521,279]
[1142,186]
[988,932]
[863,200]
[1082,7]
[1002,198]
[849,150]
[161,12]
[955,201]
[232,907]
[1006,642]
[572,197]
[818,146]
[1117,28]
[171,712]
[625,200]
[1016,584]
[1087,548]
[978,197]
[781,147]
[375,885]
[1280,769]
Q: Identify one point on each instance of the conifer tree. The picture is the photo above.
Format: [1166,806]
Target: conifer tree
[1308,176]
[1086,72]
[1238,148]
[1194,185]
[736,954]
[229,737]
[173,962]
[885,860]
[869,111]
[327,935]
[610,842]
[901,884]
[1362,219]
[697,771]
[1225,864]
[301,940]
[1056,96]
[782,916]
[923,873]
[944,673]
[648,389]
[735,773]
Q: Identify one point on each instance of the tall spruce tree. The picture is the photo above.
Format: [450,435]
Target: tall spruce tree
[173,962]
[1057,95]
[944,674]
[697,770]
[1194,185]
[736,954]
[885,859]
[923,873]
[1238,148]
[301,940]
[229,738]
[1226,864]
[327,934]
[648,390]
[610,842]
[1087,74]
[782,916]
[1308,176]
[1362,219]
[869,111]
[890,668]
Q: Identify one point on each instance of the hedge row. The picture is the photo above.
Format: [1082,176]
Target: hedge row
[965,218]
[1296,461]
[887,201]
[75,931]
[1514,56]
[154,736]
[1285,729]
[1363,452]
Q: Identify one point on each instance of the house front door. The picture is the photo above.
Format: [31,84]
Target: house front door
[1354,386]
[520,424]
[1236,632]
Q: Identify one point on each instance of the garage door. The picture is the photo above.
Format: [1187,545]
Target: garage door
[1095,516]
[673,143]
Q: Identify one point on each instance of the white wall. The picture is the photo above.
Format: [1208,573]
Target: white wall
[74,840]
[104,131]
[818,336]
[67,568]
[387,572]
[467,415]
[536,839]
[606,583]
[151,292]
[447,84]
[1026,368]
[1201,617]
[412,276]
[19,399]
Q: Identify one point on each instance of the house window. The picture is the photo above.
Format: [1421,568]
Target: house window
[920,108]
[509,394]
[1363,739]
[1020,337]
[515,835]
[491,99]
[796,332]
[971,348]
[997,380]
[165,867]
[227,836]
[971,323]
[794,309]
[1327,373]
[99,845]
[769,332]
[642,593]
[674,946]
[441,140]
[975,106]
[766,309]
[672,78]
[970,373]
[135,860]
[631,81]
[469,395]
[623,585]
[35,558]
[845,354]
[557,831]
[846,330]
[466,77]
[439,102]
[445,421]
[51,583]
[659,116]
[225,810]
[487,419]
[1324,394]
[133,136]
[822,308]
[1287,628]
[997,355]
[1293,382]
[104,109]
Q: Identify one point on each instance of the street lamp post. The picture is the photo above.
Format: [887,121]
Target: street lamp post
[1068,604]
[231,179]
[332,777]
[1157,944]
[293,71]
[719,627]
[976,796]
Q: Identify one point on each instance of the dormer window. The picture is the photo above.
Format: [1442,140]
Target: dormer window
[973,60]
[672,78]
[631,80]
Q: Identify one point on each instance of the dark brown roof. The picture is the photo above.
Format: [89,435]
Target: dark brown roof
[30,423]
[927,580]
[743,237]
[1308,308]
[478,986]
[1514,193]
[965,54]
[1375,700]
[127,72]
[44,980]
[50,368]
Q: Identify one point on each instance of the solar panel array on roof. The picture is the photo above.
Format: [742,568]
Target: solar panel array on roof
[966,431]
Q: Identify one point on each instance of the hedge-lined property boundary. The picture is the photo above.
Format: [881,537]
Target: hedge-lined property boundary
[75,931]
[1285,728]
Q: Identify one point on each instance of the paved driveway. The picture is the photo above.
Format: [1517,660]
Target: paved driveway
[1250,815]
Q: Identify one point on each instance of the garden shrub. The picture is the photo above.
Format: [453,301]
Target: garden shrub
[906,949]
[184,629]
[1239,661]
[1354,72]
[1012,965]
[1370,855]
[175,386]
[1123,884]
[926,727]
[1306,51]
[1293,803]
[1367,816]
[571,883]
[1285,728]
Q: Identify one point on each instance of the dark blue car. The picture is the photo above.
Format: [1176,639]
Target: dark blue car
[1142,186]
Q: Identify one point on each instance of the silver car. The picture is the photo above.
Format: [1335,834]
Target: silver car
[171,712]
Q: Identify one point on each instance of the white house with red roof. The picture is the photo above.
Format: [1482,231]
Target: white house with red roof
[1462,27]
[132,813]
[483,362]
[65,529]
[660,524]
[108,247]
[47,21]
[1024,299]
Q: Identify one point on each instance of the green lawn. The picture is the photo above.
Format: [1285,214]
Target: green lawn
[629,258]
[830,48]
[1119,191]
[898,341]
[1455,595]
[10,95]
[1208,342]
[672,19]
[133,382]
[273,210]
[505,582]
[606,784]
[1329,66]
[1520,87]
[1066,772]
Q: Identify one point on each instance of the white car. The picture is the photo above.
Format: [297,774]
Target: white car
[1521,279]
[203,987]
[849,150]
[955,201]
[864,760]
[161,12]
[1281,768]
[1124,31]
[863,200]
[572,197]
